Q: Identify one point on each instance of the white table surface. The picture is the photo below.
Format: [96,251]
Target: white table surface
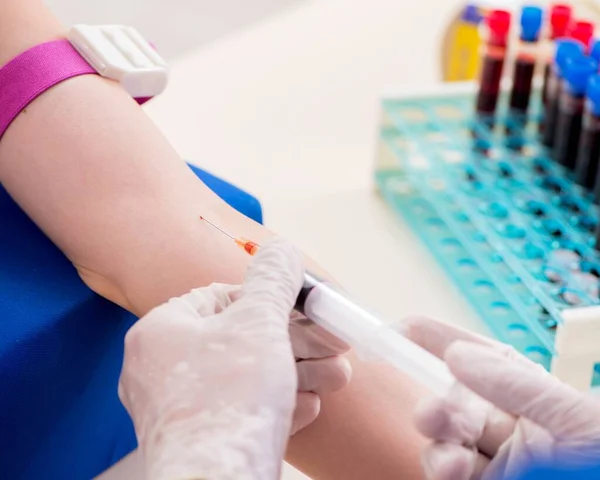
[288,109]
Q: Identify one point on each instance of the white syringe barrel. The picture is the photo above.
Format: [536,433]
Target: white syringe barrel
[330,307]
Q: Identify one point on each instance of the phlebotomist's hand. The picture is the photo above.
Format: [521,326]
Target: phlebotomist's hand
[211,379]
[504,413]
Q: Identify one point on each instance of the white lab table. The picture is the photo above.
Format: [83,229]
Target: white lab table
[288,109]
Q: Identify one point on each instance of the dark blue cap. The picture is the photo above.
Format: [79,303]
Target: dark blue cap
[577,72]
[471,14]
[531,23]
[593,93]
[565,49]
[595,50]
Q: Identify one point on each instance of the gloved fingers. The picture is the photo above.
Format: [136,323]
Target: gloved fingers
[518,390]
[272,282]
[325,375]
[498,429]
[450,461]
[309,340]
[176,309]
[211,300]
[440,420]
[200,302]
[308,406]
[459,417]
[464,418]
[481,464]
[436,336]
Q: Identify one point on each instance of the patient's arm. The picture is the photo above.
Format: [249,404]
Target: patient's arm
[97,176]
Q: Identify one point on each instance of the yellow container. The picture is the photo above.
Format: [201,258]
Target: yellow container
[462,54]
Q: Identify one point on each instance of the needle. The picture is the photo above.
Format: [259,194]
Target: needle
[249,246]
[218,228]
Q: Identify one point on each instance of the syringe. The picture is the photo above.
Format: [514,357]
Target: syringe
[371,337]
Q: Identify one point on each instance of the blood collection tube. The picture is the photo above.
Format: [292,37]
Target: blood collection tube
[577,72]
[582,31]
[531,23]
[565,49]
[498,23]
[560,19]
[595,50]
[586,167]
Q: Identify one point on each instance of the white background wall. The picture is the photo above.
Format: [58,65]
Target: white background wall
[173,25]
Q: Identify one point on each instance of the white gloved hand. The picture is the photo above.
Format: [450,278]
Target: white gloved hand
[519,413]
[210,379]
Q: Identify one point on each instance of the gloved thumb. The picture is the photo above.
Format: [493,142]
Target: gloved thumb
[516,386]
[274,278]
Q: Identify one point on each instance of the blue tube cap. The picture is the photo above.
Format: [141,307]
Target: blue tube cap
[593,93]
[595,50]
[531,23]
[471,14]
[565,49]
[577,72]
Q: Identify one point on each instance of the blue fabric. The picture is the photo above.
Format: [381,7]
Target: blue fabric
[61,350]
[557,473]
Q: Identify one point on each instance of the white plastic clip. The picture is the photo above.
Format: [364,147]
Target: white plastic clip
[122,54]
[577,344]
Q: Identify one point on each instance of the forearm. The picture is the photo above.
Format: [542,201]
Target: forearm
[96,175]
[92,171]
[364,431]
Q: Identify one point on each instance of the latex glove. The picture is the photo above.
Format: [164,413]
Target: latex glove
[210,380]
[518,412]
[320,366]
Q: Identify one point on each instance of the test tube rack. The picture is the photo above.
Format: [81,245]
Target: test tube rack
[508,225]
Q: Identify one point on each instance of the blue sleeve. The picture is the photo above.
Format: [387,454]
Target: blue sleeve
[561,473]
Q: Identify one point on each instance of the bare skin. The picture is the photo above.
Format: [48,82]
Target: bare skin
[93,172]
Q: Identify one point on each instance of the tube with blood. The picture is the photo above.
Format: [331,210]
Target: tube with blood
[565,49]
[498,23]
[560,18]
[531,23]
[578,71]
[588,155]
[583,32]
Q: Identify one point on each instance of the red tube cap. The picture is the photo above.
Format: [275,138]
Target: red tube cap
[583,31]
[499,24]
[560,19]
